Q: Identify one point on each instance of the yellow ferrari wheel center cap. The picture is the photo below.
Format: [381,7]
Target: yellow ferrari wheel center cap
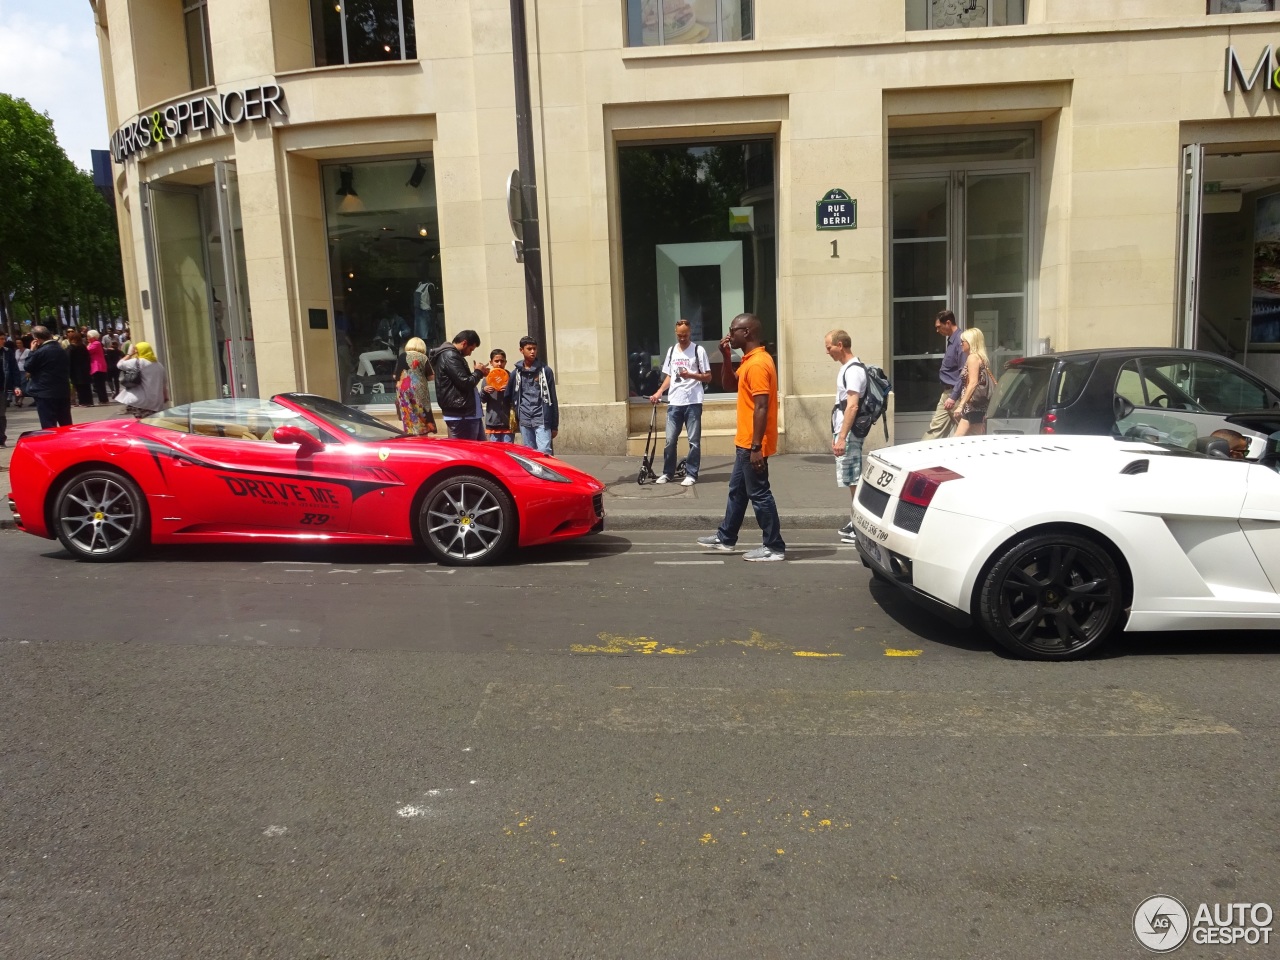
[465,521]
[99,515]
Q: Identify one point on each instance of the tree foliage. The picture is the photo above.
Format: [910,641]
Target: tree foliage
[58,235]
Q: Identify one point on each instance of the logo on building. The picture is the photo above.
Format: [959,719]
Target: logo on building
[177,121]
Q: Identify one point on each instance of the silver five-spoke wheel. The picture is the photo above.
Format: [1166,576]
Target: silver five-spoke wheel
[100,515]
[467,520]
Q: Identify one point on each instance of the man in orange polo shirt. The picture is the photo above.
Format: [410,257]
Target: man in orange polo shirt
[756,439]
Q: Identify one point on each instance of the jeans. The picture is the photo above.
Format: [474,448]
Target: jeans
[53,411]
[502,437]
[536,438]
[746,484]
[468,428]
[686,417]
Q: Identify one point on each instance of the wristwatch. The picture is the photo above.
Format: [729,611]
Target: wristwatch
[755,447]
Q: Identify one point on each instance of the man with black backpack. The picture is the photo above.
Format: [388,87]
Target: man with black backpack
[686,369]
[851,384]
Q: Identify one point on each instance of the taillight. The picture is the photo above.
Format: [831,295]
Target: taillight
[1046,425]
[921,485]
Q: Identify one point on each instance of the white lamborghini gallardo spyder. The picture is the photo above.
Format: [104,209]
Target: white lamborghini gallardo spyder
[1052,543]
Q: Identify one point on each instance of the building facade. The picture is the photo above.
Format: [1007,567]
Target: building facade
[303,184]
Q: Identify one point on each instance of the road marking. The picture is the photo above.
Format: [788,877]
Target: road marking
[842,563]
[810,653]
[299,571]
[314,563]
[388,571]
[562,563]
[854,713]
[687,563]
[902,653]
[345,570]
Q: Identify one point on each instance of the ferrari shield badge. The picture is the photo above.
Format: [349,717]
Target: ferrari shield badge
[384,452]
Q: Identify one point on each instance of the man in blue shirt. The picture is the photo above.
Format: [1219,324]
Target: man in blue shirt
[952,366]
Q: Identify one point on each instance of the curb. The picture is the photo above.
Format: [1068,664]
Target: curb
[683,521]
[794,520]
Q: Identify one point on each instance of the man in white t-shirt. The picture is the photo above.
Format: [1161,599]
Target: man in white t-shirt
[685,369]
[851,383]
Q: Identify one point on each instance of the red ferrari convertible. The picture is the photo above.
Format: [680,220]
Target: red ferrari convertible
[295,468]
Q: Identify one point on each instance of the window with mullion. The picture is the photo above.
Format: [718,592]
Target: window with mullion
[362,31]
[654,23]
[195,14]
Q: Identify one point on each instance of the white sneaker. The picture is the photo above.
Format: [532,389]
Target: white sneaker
[763,554]
[663,479]
[688,481]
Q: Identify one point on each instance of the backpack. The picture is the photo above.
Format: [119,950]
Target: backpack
[873,402]
[130,376]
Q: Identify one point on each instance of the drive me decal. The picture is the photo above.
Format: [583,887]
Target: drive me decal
[272,491]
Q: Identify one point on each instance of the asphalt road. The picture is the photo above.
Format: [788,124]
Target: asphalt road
[619,748]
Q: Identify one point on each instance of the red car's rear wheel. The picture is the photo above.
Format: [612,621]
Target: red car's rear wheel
[467,520]
[100,515]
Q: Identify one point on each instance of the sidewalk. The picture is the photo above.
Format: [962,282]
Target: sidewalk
[804,486]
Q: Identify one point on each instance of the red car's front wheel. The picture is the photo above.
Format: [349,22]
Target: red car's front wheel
[100,515]
[467,520]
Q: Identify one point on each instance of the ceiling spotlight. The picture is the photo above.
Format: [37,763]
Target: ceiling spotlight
[346,182]
[419,171]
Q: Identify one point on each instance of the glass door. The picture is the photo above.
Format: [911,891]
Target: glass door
[177,228]
[232,319]
[960,239]
[1189,243]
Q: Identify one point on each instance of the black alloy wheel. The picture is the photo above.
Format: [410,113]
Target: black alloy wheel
[100,516]
[467,521]
[1053,596]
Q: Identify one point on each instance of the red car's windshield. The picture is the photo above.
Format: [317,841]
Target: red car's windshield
[345,420]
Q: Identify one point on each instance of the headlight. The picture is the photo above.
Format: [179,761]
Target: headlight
[539,470]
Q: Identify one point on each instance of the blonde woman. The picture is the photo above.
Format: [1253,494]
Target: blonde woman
[413,397]
[977,386]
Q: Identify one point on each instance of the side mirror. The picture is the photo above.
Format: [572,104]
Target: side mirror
[1122,407]
[291,434]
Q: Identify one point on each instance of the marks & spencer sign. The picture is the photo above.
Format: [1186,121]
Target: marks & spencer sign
[1265,70]
[177,121]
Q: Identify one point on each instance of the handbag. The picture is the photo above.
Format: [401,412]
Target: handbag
[981,395]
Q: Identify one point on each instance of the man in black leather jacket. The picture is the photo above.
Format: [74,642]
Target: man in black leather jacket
[49,379]
[456,386]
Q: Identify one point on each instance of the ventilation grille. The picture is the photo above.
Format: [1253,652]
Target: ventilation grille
[909,516]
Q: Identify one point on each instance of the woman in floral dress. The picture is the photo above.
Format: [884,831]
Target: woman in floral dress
[413,397]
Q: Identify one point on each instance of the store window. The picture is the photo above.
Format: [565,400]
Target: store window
[195,15]
[362,31]
[950,14]
[384,265]
[654,23]
[1242,6]
[698,243]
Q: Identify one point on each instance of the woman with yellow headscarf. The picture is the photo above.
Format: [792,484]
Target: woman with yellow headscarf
[143,381]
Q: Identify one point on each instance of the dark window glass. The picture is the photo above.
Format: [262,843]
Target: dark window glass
[384,262]
[195,15]
[652,23]
[1072,377]
[698,243]
[326,32]
[1024,388]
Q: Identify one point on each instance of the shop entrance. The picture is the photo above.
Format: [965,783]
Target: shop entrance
[1229,277]
[204,328]
[960,211]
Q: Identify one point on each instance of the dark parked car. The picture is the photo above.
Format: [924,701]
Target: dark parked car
[1158,393]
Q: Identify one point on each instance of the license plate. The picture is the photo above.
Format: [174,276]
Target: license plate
[868,529]
[875,475]
[870,548]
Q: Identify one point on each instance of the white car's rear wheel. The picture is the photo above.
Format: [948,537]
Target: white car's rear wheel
[1052,596]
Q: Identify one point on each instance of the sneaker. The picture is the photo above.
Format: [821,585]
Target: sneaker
[847,529]
[663,479]
[714,542]
[688,481]
[763,554]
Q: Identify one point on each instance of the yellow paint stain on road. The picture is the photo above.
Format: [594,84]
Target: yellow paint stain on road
[810,653]
[706,838]
[617,645]
[902,653]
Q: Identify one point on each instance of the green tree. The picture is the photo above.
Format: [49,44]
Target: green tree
[57,234]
